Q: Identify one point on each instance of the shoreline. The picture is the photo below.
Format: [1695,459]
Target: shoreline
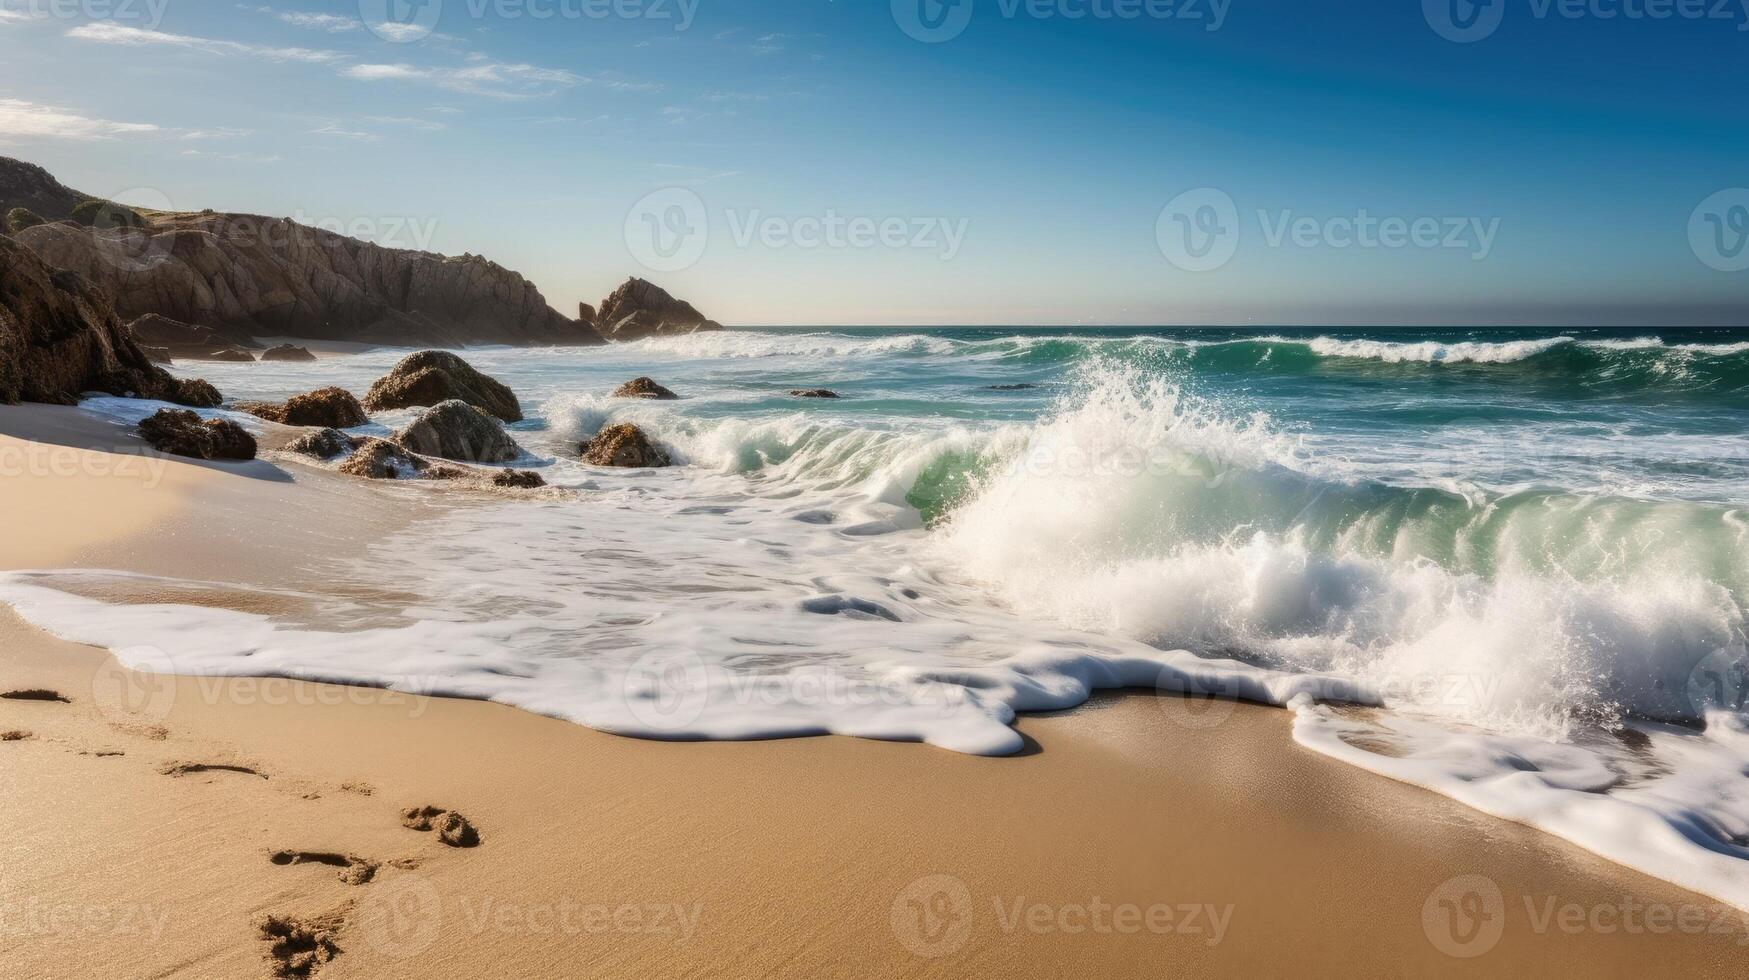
[809,856]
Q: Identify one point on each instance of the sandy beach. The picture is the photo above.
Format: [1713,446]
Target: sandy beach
[154,823]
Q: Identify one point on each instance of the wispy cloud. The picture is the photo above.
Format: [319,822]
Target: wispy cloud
[330,23]
[429,125]
[500,81]
[232,157]
[103,32]
[21,118]
[770,44]
[217,133]
[333,129]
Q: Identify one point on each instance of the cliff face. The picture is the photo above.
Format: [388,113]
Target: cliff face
[251,275]
[59,338]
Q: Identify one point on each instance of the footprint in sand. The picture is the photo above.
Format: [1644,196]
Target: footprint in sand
[151,733]
[195,768]
[452,828]
[34,694]
[16,735]
[300,947]
[354,870]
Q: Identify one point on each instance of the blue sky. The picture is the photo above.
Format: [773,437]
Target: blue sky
[1013,170]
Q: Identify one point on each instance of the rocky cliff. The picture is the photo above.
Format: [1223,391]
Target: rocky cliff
[639,309]
[252,275]
[59,338]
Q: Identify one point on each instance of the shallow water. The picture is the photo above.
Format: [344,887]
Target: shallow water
[1527,549]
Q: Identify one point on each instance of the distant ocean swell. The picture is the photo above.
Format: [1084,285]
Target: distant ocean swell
[1595,367]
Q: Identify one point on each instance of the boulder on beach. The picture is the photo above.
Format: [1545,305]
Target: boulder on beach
[644,388]
[379,459]
[625,445]
[459,431]
[180,432]
[287,352]
[328,408]
[433,377]
[19,219]
[157,355]
[323,444]
[814,393]
[196,393]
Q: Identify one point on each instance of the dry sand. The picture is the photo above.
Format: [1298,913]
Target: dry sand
[1135,838]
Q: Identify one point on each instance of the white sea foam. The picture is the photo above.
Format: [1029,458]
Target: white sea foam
[1432,352]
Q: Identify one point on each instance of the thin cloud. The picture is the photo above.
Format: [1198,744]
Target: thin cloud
[429,125]
[494,80]
[329,23]
[21,118]
[103,32]
[351,134]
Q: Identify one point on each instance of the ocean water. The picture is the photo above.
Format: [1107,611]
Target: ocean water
[1511,566]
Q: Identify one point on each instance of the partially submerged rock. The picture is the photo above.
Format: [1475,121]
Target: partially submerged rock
[518,479]
[644,388]
[814,393]
[324,444]
[432,377]
[182,433]
[456,430]
[188,341]
[625,445]
[329,408]
[639,309]
[287,352]
[379,459]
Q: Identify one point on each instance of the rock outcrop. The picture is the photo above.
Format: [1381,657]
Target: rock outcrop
[59,338]
[272,276]
[433,377]
[644,388]
[187,341]
[328,408]
[814,393]
[182,433]
[625,445]
[19,219]
[287,352]
[639,309]
[459,431]
[26,186]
